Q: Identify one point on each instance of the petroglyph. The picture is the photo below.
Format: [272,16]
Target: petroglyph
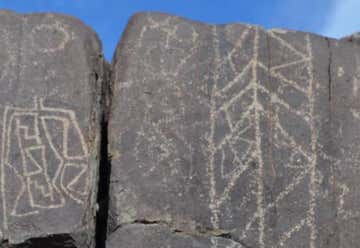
[50,44]
[356,77]
[31,139]
[51,79]
[253,154]
[237,130]
[243,125]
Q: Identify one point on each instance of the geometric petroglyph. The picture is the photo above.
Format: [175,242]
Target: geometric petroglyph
[44,153]
[237,130]
[224,152]
[57,42]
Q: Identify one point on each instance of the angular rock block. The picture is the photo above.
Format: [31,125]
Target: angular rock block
[50,85]
[233,132]
[143,236]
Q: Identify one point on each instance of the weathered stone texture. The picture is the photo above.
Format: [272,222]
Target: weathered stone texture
[154,235]
[233,131]
[51,71]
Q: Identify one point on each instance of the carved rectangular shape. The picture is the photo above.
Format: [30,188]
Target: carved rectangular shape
[50,128]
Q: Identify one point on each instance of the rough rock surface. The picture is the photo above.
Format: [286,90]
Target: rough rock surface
[236,132]
[50,86]
[154,235]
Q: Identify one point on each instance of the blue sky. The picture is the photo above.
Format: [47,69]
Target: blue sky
[334,18]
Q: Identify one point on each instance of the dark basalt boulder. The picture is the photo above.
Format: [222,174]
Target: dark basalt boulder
[219,136]
[51,71]
[233,132]
[155,235]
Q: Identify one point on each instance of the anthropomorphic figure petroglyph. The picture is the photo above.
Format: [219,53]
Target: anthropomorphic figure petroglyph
[50,87]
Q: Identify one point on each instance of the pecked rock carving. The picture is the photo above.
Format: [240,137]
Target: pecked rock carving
[219,136]
[51,73]
[232,131]
[30,149]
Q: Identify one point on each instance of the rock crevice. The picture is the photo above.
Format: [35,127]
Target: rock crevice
[195,136]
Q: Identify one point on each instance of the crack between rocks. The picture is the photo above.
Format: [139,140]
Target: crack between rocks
[105,171]
[333,234]
[207,233]
[103,195]
[329,68]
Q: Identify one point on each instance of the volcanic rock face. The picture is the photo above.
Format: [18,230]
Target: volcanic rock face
[219,136]
[50,87]
[234,134]
[154,235]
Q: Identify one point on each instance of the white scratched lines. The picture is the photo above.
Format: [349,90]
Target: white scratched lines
[275,98]
[184,61]
[285,236]
[254,150]
[236,129]
[68,188]
[32,140]
[292,142]
[258,149]
[254,112]
[286,44]
[344,191]
[235,176]
[226,105]
[289,188]
[157,23]
[345,214]
[238,77]
[282,78]
[47,28]
[274,68]
[211,147]
[4,207]
[312,189]
[72,119]
[288,81]
[238,45]
[249,122]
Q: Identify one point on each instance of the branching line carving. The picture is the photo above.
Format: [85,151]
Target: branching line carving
[254,114]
